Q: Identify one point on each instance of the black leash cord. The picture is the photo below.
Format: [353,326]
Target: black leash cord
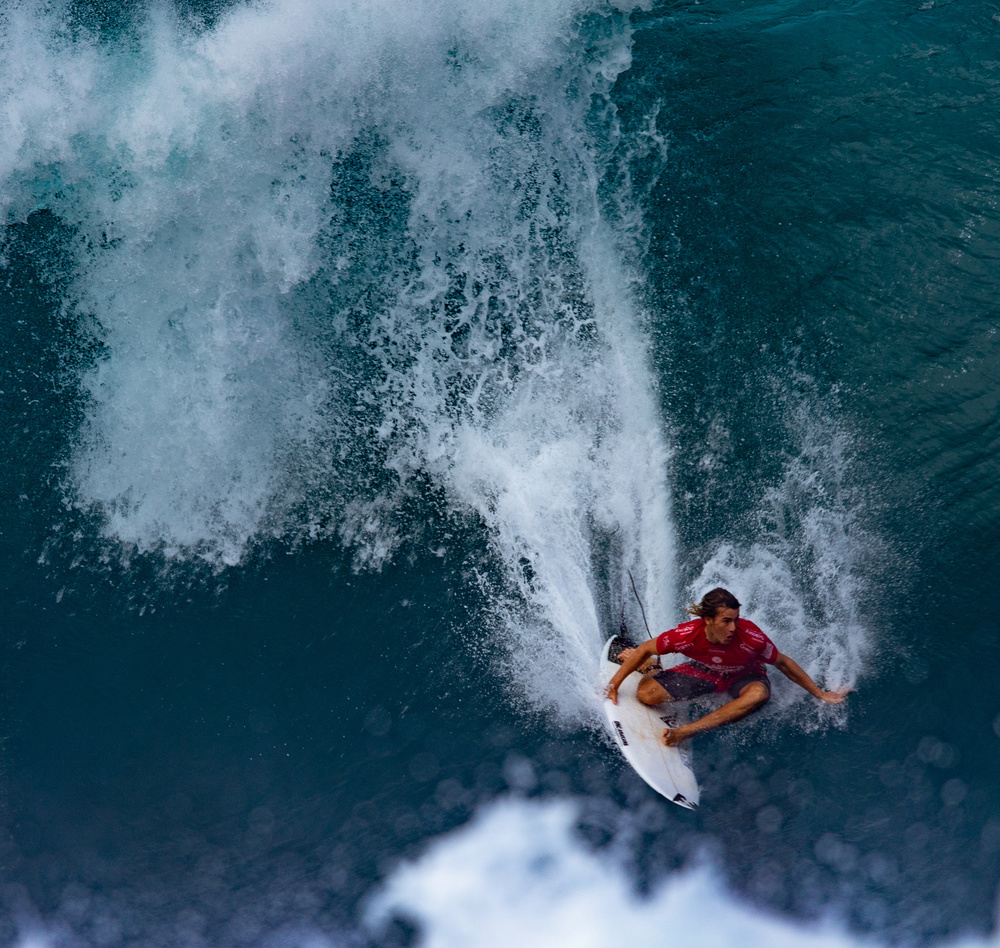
[638,600]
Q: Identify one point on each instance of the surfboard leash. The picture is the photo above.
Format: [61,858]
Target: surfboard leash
[638,600]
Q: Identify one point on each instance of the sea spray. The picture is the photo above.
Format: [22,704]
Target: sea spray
[333,256]
[803,574]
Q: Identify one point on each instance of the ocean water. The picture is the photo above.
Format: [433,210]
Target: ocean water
[355,355]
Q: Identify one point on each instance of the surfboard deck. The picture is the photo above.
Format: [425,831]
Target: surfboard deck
[638,731]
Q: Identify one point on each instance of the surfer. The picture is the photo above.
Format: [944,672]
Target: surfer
[725,654]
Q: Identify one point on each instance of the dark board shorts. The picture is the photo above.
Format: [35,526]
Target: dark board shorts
[684,685]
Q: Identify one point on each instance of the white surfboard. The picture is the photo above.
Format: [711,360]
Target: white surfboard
[638,731]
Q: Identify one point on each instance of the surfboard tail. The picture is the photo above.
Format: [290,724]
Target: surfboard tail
[618,645]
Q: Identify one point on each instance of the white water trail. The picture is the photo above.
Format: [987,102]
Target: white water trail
[333,254]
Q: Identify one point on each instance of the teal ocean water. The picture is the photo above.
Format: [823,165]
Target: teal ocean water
[354,354]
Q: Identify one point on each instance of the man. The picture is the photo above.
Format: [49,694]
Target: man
[726,654]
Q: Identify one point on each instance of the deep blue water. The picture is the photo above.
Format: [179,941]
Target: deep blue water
[352,357]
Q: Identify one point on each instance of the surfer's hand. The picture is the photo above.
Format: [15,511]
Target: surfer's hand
[834,697]
[672,736]
[611,693]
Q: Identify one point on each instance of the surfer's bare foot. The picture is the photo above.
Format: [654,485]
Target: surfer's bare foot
[672,736]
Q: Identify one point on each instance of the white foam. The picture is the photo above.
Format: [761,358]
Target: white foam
[518,875]
[197,167]
[216,258]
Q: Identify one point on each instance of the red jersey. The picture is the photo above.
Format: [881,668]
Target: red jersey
[747,651]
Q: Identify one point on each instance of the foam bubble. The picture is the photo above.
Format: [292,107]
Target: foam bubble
[243,307]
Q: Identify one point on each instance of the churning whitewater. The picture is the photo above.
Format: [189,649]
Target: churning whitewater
[312,289]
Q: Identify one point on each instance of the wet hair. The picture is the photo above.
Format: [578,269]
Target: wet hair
[712,602]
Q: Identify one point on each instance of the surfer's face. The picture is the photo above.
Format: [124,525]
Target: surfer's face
[721,628]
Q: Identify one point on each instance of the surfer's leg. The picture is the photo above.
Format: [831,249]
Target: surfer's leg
[672,685]
[651,692]
[738,687]
[752,697]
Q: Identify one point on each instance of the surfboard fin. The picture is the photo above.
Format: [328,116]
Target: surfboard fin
[684,801]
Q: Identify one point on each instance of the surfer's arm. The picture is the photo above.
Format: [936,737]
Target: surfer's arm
[794,672]
[632,661]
